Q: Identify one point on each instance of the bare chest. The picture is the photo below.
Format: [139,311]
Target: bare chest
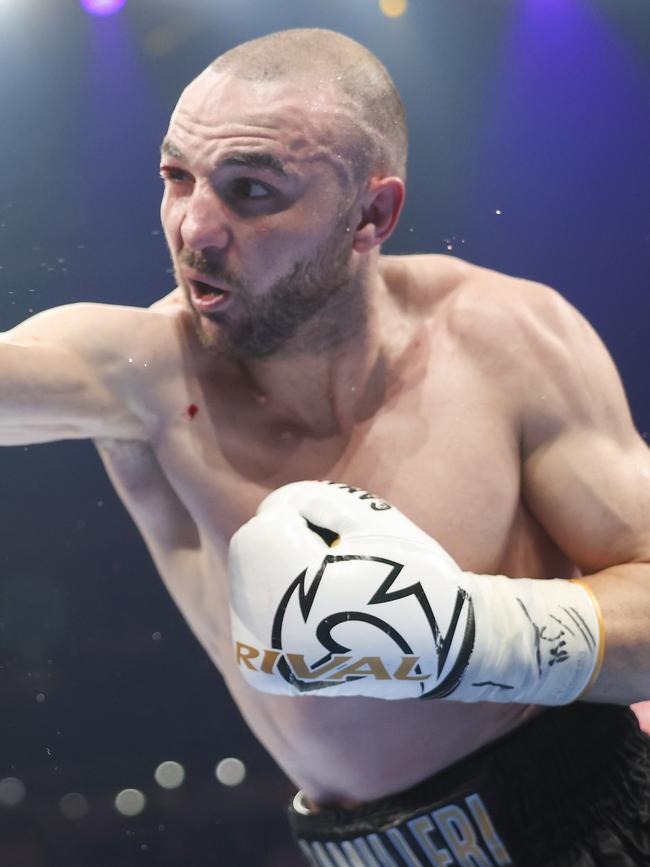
[451,466]
[444,452]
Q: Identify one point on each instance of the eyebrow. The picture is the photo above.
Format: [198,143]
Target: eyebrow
[247,159]
[255,160]
[169,148]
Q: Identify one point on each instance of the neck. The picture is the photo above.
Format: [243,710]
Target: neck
[325,392]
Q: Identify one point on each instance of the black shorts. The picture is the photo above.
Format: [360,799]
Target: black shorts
[570,788]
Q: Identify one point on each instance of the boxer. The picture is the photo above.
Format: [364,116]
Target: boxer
[439,641]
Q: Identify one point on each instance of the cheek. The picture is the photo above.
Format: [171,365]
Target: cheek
[165,213]
[271,255]
[171,219]
[279,246]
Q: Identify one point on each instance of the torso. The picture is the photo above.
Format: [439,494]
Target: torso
[440,448]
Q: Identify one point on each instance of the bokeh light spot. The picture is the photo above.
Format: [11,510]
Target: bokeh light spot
[12,792]
[230,772]
[393,8]
[73,806]
[102,7]
[170,775]
[130,802]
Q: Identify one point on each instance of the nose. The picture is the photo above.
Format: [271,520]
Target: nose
[205,222]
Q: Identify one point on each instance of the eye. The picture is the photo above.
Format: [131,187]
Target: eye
[173,174]
[247,188]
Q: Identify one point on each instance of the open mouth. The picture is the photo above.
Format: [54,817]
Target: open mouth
[207,298]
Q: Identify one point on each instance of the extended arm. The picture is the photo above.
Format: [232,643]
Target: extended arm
[62,376]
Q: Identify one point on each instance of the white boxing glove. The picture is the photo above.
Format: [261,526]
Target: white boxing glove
[335,592]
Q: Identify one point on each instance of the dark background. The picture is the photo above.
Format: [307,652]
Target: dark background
[539,109]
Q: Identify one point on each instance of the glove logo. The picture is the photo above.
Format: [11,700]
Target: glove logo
[386,610]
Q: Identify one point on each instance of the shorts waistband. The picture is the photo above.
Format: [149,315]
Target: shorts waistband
[535,787]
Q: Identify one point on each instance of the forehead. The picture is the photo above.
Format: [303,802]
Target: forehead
[300,116]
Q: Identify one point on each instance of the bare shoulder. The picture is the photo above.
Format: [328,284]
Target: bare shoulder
[420,282]
[499,317]
[535,346]
[80,322]
[122,347]
[94,331]
[85,370]
[172,305]
[485,310]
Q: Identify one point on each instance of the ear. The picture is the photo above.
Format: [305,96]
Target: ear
[381,206]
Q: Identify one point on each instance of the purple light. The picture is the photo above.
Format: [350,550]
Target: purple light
[102,7]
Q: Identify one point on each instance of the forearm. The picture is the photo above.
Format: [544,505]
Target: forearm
[623,593]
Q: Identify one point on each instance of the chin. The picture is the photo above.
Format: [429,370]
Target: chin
[211,335]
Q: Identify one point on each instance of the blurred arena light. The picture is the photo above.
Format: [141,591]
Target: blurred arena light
[102,7]
[230,772]
[12,792]
[393,8]
[170,775]
[130,802]
[74,805]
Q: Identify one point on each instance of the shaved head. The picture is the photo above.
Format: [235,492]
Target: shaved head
[375,125]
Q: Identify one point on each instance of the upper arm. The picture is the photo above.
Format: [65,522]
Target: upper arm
[60,376]
[586,470]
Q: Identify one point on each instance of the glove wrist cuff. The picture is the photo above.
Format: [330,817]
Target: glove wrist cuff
[537,641]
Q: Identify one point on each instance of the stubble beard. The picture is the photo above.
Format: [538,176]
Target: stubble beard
[312,309]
